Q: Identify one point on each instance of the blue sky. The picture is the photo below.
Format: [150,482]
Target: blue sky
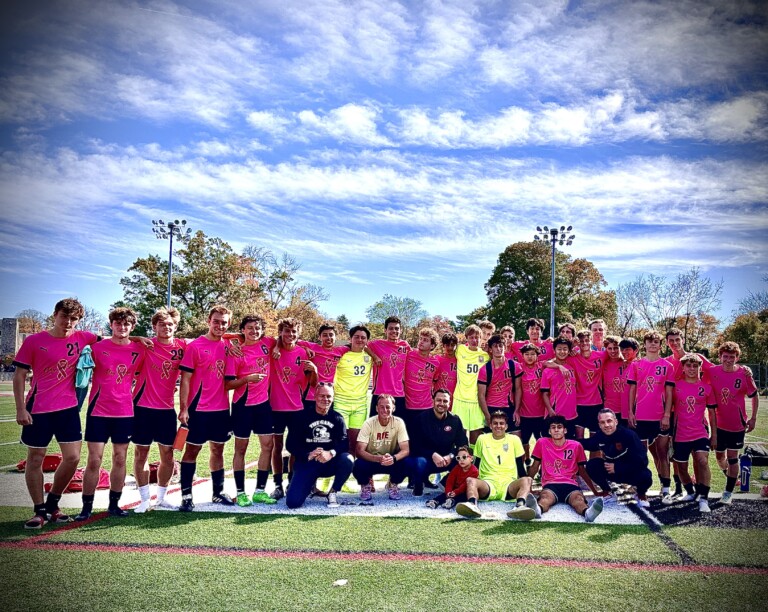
[390,147]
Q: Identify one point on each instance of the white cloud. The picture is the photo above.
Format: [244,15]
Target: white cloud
[349,123]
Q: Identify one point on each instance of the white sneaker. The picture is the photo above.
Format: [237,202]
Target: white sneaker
[704,506]
[668,499]
[642,503]
[531,502]
[522,513]
[688,497]
[331,499]
[594,510]
[143,507]
[468,509]
[726,498]
[167,505]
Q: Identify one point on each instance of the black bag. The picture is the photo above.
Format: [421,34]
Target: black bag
[758,452]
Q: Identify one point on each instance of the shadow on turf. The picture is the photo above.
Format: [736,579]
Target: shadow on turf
[600,534]
[746,514]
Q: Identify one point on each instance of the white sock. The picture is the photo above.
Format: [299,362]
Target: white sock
[161,494]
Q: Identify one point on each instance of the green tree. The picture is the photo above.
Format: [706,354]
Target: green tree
[519,288]
[750,331]
[408,310]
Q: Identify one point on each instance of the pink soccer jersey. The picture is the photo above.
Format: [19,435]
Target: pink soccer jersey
[731,389]
[499,391]
[706,364]
[559,464]
[514,354]
[115,367]
[420,373]
[546,352]
[446,374]
[326,361]
[206,360]
[651,378]
[589,377]
[532,403]
[614,385]
[562,391]
[691,403]
[289,382]
[388,377]
[156,384]
[256,359]
[53,362]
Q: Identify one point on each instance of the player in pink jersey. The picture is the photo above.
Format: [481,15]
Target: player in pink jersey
[614,374]
[558,387]
[732,384]
[110,409]
[651,384]
[629,348]
[561,460]
[497,389]
[535,329]
[389,365]
[446,375]
[291,374]
[676,343]
[418,380]
[204,406]
[249,375]
[325,356]
[50,408]
[507,334]
[693,397]
[530,412]
[154,418]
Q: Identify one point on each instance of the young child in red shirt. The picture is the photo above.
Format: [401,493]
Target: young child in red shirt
[456,483]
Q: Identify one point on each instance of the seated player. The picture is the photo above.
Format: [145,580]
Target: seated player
[693,397]
[110,409]
[382,445]
[560,461]
[618,457]
[50,408]
[318,440]
[732,384]
[501,474]
[558,387]
[456,483]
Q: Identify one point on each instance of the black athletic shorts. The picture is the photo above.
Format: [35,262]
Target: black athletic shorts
[251,419]
[209,426]
[103,429]
[683,450]
[283,419]
[588,417]
[729,440]
[648,431]
[153,425]
[562,491]
[64,424]
[532,426]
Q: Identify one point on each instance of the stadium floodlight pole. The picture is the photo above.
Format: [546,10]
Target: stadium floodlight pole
[554,236]
[163,230]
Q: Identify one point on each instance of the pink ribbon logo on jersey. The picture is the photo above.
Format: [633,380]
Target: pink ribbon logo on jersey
[393,360]
[122,370]
[61,369]
[261,363]
[725,394]
[533,386]
[420,375]
[650,381]
[590,375]
[287,375]
[568,385]
[328,369]
[691,402]
[499,386]
[166,371]
[617,386]
[557,465]
[219,368]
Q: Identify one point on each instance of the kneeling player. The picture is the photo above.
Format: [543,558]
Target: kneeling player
[560,461]
[501,474]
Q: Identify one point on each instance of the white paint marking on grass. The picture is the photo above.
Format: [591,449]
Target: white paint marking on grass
[9,443]
[5,467]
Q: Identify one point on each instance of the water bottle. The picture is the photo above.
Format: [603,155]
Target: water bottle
[746,470]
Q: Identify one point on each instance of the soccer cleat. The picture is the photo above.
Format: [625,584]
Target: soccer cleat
[704,506]
[277,494]
[58,517]
[689,497]
[332,501]
[431,504]
[36,522]
[530,502]
[726,498]
[186,504]
[668,499]
[394,492]
[522,513]
[223,499]
[365,493]
[167,505]
[449,503]
[594,510]
[262,497]
[118,512]
[468,510]
[243,500]
[642,502]
[143,507]
[83,516]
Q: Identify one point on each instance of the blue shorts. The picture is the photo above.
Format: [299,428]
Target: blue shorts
[153,425]
[64,424]
[103,429]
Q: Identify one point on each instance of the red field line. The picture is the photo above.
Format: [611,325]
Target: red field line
[378,556]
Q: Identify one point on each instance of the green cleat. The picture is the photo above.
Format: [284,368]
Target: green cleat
[243,501]
[262,497]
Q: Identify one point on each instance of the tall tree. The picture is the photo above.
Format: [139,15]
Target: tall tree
[31,321]
[519,288]
[755,301]
[408,310]
[751,332]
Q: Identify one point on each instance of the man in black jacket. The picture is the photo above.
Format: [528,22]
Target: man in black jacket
[439,436]
[319,442]
[618,456]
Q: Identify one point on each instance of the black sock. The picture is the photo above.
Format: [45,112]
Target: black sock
[240,481]
[665,482]
[261,479]
[472,500]
[217,480]
[52,503]
[520,501]
[678,485]
[703,491]
[187,476]
[290,476]
[87,503]
[730,483]
[114,499]
[40,510]
[278,478]
[689,488]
